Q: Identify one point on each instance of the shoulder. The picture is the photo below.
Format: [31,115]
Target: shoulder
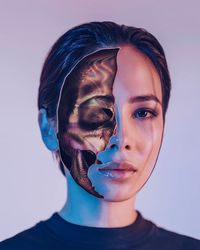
[173,240]
[37,237]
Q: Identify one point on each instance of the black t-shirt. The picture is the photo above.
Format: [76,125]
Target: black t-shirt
[57,233]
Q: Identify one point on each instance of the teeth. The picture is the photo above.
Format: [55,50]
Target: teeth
[109,174]
[116,174]
[115,169]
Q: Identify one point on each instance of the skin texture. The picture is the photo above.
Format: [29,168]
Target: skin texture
[139,117]
[121,120]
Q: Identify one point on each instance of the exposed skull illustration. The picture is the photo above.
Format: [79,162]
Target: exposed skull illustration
[86,115]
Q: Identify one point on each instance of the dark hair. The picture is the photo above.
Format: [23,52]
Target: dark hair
[86,38]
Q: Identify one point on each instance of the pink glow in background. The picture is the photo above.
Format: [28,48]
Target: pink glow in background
[31,186]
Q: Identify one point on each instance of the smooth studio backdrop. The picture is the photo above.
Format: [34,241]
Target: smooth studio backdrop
[31,186]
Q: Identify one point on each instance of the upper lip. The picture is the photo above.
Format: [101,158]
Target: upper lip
[118,166]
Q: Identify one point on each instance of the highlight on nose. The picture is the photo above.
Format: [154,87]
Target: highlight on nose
[114,142]
[117,143]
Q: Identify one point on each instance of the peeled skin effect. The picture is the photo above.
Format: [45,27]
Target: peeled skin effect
[86,115]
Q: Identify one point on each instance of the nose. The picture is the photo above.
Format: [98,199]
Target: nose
[122,138]
[119,142]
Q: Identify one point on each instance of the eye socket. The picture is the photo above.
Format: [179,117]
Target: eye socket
[144,113]
[92,118]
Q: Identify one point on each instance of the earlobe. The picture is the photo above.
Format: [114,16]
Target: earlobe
[47,130]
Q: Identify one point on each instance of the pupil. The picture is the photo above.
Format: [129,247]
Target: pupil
[142,113]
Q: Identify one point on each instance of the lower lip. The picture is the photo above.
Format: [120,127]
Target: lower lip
[118,175]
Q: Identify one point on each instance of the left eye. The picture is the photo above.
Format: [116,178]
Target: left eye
[144,113]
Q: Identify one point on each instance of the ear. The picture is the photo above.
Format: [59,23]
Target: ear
[47,130]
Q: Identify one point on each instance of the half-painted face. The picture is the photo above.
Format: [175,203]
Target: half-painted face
[98,106]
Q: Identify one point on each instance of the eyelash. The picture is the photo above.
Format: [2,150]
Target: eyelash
[153,113]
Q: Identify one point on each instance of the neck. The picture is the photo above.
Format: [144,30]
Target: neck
[85,209]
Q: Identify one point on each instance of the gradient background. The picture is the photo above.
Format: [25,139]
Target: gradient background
[31,187]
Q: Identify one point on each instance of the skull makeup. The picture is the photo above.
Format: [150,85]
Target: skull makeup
[86,116]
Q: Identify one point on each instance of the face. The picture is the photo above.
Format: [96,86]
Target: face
[110,115]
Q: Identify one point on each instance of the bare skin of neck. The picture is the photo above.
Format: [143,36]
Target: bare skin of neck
[84,209]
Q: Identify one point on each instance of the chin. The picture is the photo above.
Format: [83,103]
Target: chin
[115,192]
[110,197]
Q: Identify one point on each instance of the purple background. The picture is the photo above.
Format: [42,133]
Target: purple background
[31,187]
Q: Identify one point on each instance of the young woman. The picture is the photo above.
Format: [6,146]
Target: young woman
[102,102]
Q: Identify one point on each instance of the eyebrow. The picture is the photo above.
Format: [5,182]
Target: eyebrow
[143,98]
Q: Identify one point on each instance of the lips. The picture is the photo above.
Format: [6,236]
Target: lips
[118,166]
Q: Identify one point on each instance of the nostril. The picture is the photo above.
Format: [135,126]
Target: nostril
[98,161]
[113,146]
[127,147]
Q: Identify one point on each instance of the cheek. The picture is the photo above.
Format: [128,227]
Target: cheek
[150,144]
[150,134]
[153,147]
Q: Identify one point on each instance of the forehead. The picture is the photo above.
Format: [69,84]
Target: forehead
[122,72]
[136,75]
